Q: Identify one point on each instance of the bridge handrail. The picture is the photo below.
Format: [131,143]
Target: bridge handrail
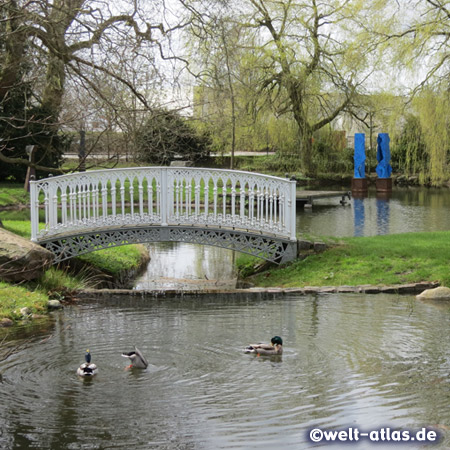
[163,196]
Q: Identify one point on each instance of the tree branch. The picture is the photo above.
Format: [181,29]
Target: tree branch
[25,162]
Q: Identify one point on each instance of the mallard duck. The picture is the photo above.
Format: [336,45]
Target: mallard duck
[138,360]
[87,369]
[274,348]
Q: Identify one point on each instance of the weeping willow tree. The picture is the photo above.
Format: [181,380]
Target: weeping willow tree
[409,155]
[433,113]
[420,49]
[305,59]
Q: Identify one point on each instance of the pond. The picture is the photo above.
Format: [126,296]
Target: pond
[349,360]
[405,210]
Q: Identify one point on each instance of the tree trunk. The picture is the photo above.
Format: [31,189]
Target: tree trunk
[305,132]
[54,88]
[62,16]
[14,40]
[306,150]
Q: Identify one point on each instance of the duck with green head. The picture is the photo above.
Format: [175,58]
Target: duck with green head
[87,369]
[274,348]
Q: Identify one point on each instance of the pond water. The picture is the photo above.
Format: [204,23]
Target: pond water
[405,210]
[360,361]
[175,265]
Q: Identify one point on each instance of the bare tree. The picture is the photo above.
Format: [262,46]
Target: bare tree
[47,43]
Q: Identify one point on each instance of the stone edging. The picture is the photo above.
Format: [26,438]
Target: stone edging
[411,288]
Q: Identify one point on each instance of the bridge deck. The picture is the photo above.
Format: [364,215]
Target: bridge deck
[307,197]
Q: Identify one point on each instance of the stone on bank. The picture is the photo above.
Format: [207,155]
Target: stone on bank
[21,259]
[439,293]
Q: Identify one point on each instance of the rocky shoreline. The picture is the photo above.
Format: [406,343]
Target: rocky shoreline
[411,289]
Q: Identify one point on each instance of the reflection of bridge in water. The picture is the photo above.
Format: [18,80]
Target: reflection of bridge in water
[88,211]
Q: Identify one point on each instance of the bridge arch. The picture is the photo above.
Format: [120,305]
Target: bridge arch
[87,211]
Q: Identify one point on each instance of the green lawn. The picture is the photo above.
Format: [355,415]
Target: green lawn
[13,194]
[390,259]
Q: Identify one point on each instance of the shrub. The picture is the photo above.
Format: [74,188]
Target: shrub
[166,135]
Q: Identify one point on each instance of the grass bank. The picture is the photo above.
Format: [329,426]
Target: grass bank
[378,260]
[59,283]
[14,298]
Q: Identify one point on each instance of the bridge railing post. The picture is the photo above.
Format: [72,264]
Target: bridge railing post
[34,210]
[164,195]
[293,214]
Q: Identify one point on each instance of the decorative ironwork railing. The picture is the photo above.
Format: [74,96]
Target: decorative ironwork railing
[162,196]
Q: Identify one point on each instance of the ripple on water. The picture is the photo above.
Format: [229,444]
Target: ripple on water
[348,360]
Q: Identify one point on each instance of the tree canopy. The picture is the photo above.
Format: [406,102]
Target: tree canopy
[264,66]
[166,136]
[49,46]
[306,58]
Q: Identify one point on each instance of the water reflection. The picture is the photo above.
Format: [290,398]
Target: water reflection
[358,212]
[383,210]
[349,360]
[407,210]
[175,265]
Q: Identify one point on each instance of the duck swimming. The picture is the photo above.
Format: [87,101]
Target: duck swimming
[138,360]
[274,348]
[87,369]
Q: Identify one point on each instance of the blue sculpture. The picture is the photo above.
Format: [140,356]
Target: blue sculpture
[383,169]
[359,156]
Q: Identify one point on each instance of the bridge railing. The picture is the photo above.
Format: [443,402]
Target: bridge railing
[162,196]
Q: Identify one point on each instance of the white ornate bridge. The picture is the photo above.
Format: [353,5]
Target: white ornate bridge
[87,211]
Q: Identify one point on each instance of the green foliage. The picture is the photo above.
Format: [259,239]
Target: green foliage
[57,283]
[433,110]
[421,137]
[281,133]
[20,227]
[409,151]
[330,154]
[166,135]
[276,164]
[246,264]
